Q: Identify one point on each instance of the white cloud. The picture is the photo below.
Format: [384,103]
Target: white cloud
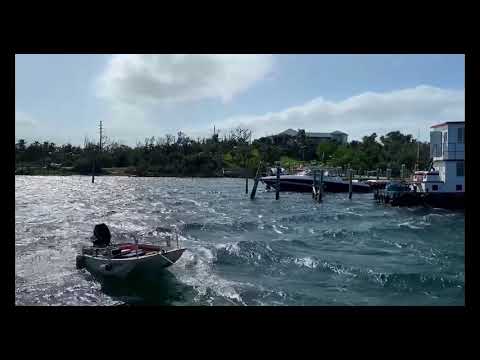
[148,78]
[407,110]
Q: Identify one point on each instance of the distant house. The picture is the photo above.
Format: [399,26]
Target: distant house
[317,138]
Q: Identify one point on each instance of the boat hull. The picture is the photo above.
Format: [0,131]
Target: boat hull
[121,268]
[454,201]
[447,200]
[304,184]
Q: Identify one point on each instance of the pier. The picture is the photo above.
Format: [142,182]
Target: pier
[352,180]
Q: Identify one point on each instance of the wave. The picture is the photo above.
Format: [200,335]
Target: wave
[416,281]
[201,276]
[257,254]
[230,226]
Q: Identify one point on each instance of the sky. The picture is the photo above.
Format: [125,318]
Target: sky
[62,97]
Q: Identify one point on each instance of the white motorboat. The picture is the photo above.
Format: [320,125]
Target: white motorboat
[302,182]
[121,259]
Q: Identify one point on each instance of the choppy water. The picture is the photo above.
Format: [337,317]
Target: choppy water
[288,252]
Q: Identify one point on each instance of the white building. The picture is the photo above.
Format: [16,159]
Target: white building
[447,149]
[317,138]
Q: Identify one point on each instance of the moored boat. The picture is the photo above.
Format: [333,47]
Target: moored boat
[302,182]
[121,259]
[443,185]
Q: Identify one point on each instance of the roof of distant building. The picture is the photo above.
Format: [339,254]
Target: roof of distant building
[290,132]
[319,135]
[447,123]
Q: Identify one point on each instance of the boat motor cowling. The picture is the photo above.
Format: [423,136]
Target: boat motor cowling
[101,235]
[80,262]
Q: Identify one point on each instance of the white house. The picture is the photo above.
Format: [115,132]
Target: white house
[447,149]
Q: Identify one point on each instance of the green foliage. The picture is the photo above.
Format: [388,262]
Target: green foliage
[326,150]
[84,166]
[183,156]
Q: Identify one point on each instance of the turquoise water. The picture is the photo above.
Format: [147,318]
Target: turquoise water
[293,251]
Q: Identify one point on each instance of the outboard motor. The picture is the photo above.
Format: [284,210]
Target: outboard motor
[80,262]
[101,235]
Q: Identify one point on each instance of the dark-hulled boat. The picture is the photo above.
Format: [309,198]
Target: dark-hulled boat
[304,182]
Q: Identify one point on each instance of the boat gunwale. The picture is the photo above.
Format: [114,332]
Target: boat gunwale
[134,257]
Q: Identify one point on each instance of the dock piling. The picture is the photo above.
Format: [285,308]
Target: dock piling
[277,192]
[320,188]
[246,185]
[93,171]
[314,185]
[350,184]
[255,183]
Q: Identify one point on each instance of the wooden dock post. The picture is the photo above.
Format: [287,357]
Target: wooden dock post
[320,188]
[93,171]
[350,184]
[255,183]
[314,185]
[277,192]
[246,185]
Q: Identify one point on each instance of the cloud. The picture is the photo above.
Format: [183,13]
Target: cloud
[407,110]
[150,79]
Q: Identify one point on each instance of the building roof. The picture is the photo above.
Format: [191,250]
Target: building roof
[290,132]
[319,135]
[448,123]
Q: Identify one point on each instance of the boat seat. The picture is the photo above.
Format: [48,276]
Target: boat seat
[130,254]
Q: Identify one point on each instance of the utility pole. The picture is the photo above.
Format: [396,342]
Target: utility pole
[101,136]
[95,152]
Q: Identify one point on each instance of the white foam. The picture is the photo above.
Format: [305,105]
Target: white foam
[231,248]
[276,230]
[409,225]
[203,277]
[306,262]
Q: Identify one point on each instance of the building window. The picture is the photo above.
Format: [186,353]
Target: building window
[461,135]
[434,187]
[460,168]
[459,187]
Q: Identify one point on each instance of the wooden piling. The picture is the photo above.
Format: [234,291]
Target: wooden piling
[320,188]
[277,192]
[314,185]
[93,171]
[254,190]
[350,183]
[246,185]
[255,183]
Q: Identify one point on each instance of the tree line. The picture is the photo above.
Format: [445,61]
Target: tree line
[183,156]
